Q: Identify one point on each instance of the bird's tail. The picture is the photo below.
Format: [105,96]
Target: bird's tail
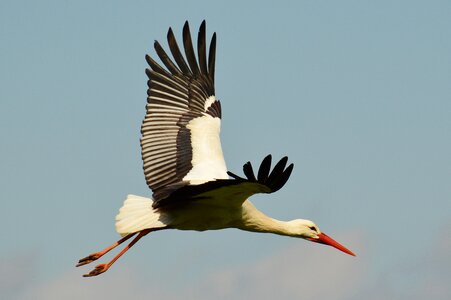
[137,214]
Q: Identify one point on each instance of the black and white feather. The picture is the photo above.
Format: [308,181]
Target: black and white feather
[180,142]
[183,161]
[273,180]
[235,190]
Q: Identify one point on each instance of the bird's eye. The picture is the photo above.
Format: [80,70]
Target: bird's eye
[313,228]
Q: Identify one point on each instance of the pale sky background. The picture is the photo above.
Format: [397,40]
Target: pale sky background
[356,93]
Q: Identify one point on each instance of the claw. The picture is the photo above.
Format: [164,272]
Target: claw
[99,269]
[88,259]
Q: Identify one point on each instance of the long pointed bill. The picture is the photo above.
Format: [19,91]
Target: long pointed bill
[327,240]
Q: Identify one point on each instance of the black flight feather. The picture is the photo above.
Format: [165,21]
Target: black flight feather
[176,52]
[202,50]
[189,51]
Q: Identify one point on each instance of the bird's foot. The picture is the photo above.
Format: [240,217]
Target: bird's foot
[89,259]
[99,269]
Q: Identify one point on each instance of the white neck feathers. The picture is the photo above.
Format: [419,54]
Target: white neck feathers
[256,221]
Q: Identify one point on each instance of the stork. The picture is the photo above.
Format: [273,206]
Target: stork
[184,164]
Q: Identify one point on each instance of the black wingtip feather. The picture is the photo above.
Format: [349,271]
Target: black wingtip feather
[282,179]
[155,66]
[201,49]
[189,50]
[212,58]
[175,50]
[275,179]
[278,169]
[165,59]
[233,175]
[249,172]
[264,169]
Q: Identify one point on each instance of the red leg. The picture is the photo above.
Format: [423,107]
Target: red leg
[99,269]
[94,256]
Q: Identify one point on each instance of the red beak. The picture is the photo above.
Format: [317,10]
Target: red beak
[325,239]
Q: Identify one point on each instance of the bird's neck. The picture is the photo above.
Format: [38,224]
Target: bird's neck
[256,221]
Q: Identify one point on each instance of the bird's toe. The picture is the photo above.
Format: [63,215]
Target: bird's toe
[88,259]
[99,269]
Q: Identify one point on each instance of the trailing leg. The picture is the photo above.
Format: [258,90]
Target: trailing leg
[99,269]
[94,256]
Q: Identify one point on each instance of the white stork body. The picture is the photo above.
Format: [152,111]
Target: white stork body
[137,214]
[184,164]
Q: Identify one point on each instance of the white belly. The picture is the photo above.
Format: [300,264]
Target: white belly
[201,216]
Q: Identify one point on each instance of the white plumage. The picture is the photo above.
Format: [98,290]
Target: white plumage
[138,214]
[208,161]
[183,161]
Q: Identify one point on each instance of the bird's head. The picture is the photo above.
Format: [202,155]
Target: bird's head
[308,230]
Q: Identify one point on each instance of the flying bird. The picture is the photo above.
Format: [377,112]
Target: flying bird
[183,161]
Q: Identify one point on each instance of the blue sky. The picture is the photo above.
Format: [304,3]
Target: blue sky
[356,93]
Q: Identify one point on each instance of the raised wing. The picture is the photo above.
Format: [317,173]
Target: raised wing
[180,142]
[235,190]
